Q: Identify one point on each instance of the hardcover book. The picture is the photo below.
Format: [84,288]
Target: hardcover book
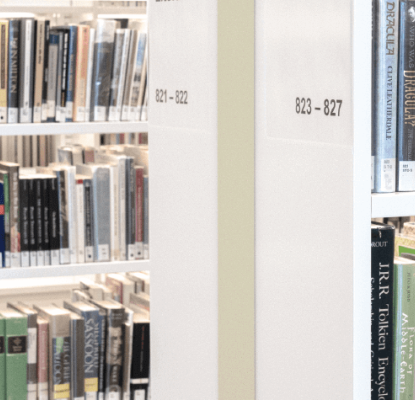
[2,360]
[13,72]
[77,356]
[43,358]
[4,45]
[2,232]
[39,70]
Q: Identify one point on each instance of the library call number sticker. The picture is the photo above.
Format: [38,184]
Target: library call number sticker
[331,108]
[180,97]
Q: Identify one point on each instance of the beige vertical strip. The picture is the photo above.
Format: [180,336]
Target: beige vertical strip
[236,199]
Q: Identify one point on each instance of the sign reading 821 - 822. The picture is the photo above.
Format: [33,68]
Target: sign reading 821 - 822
[179,97]
[330,107]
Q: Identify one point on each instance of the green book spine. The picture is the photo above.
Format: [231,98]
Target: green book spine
[16,358]
[404,331]
[2,360]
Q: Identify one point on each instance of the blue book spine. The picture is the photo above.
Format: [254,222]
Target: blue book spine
[2,233]
[385,106]
[92,349]
[406,97]
[145,218]
[70,94]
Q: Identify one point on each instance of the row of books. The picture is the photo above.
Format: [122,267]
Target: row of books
[90,206]
[393,70]
[95,71]
[91,348]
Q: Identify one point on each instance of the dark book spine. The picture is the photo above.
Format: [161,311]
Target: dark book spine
[406,112]
[140,366]
[130,212]
[32,223]
[2,232]
[45,73]
[73,39]
[27,58]
[14,216]
[54,222]
[13,72]
[40,209]
[64,76]
[63,218]
[146,218]
[102,337]
[46,184]
[52,80]
[78,358]
[58,86]
[4,176]
[89,221]
[114,352]
[383,239]
[24,220]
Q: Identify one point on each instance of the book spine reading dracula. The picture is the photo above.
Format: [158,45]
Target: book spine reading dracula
[406,96]
[386,94]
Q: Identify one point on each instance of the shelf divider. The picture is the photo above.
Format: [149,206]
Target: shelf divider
[386,205]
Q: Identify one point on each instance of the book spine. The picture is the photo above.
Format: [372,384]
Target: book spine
[102,337]
[386,95]
[72,219]
[46,185]
[78,358]
[122,209]
[40,209]
[32,357]
[146,218]
[114,353]
[45,72]
[73,41]
[59,71]
[61,367]
[64,254]
[81,73]
[2,359]
[115,243]
[102,210]
[16,358]
[91,364]
[139,196]
[27,34]
[143,85]
[54,225]
[43,361]
[7,243]
[64,76]
[80,215]
[116,73]
[123,73]
[4,44]
[52,76]
[101,81]
[2,232]
[32,223]
[132,250]
[13,73]
[140,366]
[127,359]
[404,331]
[39,70]
[90,70]
[125,112]
[89,222]
[144,108]
[24,221]
[14,216]
[113,237]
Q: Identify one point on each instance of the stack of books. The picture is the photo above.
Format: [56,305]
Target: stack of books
[91,348]
[91,206]
[95,71]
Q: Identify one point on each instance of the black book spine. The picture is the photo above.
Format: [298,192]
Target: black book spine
[46,185]
[58,85]
[383,240]
[39,221]
[32,223]
[114,352]
[45,73]
[64,81]
[13,72]
[24,220]
[54,225]
[63,218]
[140,365]
[89,220]
[130,211]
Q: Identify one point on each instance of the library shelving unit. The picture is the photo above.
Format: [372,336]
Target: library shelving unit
[201,192]
[313,199]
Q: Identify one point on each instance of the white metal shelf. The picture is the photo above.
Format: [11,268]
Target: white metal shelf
[386,205]
[72,127]
[74,269]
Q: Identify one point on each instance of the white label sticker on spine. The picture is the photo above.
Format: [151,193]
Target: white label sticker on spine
[101,396]
[15,260]
[40,258]
[64,256]
[44,112]
[54,257]
[140,394]
[139,248]
[103,252]
[69,109]
[406,176]
[90,395]
[132,252]
[373,172]
[12,116]
[388,172]
[89,254]
[47,257]
[25,259]
[114,396]
[3,115]
[80,117]
[7,259]
[43,390]
[33,259]
[31,391]
[31,348]
[100,114]
[112,116]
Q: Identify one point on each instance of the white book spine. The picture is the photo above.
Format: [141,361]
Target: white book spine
[26,111]
[72,223]
[89,74]
[25,259]
[123,74]
[47,258]
[40,255]
[80,221]
[121,211]
[116,214]
[112,208]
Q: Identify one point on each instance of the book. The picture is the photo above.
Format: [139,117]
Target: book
[54,221]
[89,220]
[13,72]
[89,74]
[128,352]
[39,217]
[142,79]
[59,73]
[46,183]
[101,79]
[42,358]
[52,74]
[139,211]
[132,57]
[77,356]
[39,69]
[4,177]
[146,219]
[59,350]
[121,287]
[81,73]
[140,300]
[142,281]
[70,79]
[90,314]
[16,354]
[385,106]
[31,315]
[24,220]
[130,211]
[32,221]
[96,290]
[2,360]
[26,60]
[63,86]
[45,74]
[4,50]
[2,231]
[80,215]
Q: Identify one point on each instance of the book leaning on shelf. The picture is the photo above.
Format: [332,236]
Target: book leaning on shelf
[93,71]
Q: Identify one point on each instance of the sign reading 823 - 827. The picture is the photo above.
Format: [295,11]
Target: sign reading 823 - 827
[330,107]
